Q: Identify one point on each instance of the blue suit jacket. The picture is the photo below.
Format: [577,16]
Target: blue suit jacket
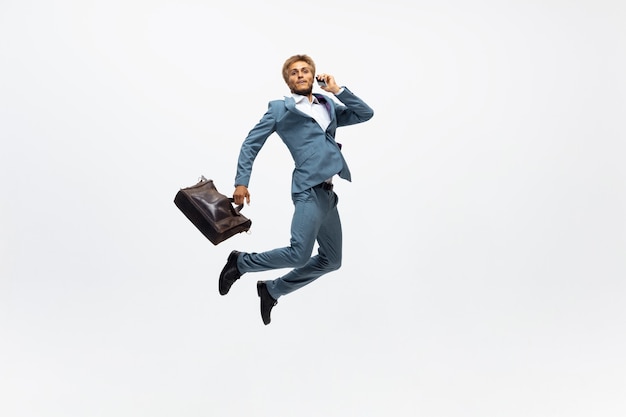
[316,155]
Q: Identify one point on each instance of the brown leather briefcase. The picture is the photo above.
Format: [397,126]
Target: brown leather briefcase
[211,212]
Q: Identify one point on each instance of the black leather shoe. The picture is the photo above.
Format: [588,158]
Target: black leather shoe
[230,273]
[267,302]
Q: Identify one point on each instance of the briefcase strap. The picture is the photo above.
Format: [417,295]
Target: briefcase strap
[237,208]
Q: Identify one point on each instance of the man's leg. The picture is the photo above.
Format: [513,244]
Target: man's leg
[307,219]
[328,258]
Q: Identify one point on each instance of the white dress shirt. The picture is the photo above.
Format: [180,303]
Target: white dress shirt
[315,109]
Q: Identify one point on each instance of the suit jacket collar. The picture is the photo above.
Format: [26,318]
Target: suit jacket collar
[290,103]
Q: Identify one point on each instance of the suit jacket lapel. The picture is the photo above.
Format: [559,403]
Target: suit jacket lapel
[290,104]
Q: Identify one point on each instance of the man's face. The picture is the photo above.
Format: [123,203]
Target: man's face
[300,78]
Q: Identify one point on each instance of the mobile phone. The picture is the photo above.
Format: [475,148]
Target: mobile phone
[321,83]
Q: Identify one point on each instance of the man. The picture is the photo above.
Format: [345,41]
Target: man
[306,123]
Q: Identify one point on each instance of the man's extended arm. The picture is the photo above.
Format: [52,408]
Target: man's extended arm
[249,150]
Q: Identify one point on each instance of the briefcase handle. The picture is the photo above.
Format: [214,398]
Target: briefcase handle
[237,208]
[232,200]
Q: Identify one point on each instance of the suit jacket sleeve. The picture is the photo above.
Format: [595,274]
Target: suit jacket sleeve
[253,144]
[353,111]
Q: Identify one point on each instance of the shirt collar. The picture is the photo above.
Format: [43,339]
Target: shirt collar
[300,99]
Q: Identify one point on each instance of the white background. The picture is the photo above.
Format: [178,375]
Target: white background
[484,230]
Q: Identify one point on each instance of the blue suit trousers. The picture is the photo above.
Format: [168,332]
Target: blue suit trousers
[315,218]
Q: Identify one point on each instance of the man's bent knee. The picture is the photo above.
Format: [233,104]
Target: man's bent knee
[331,265]
[299,258]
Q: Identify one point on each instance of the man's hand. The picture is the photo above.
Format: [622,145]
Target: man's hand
[241,193]
[331,84]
